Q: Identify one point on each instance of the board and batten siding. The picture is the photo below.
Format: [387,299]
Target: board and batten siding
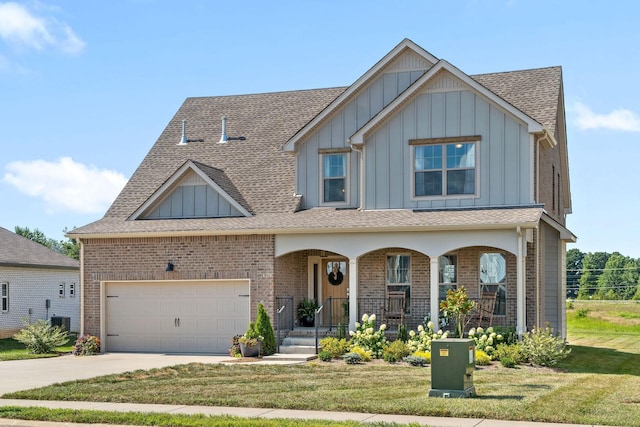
[503,158]
[552,287]
[335,132]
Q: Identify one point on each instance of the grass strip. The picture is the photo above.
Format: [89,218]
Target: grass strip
[169,420]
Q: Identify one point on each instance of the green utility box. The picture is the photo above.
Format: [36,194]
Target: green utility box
[452,364]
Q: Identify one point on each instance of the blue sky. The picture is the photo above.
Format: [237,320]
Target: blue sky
[86,87]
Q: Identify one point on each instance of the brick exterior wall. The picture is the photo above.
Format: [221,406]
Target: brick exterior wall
[551,194]
[29,288]
[233,257]
[196,257]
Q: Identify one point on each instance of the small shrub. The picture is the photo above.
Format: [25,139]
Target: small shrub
[486,340]
[265,330]
[543,348]
[368,338]
[352,358]
[569,304]
[508,362]
[424,354]
[234,350]
[482,358]
[514,352]
[365,354]
[336,346]
[395,351]
[389,357]
[41,337]
[86,345]
[508,333]
[403,334]
[415,360]
[582,313]
[325,356]
[421,341]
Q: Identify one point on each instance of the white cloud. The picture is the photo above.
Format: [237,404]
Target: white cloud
[21,28]
[619,119]
[66,186]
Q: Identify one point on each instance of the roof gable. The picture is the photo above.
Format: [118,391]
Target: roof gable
[441,77]
[406,56]
[219,197]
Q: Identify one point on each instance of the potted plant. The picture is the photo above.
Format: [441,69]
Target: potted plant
[307,312]
[250,342]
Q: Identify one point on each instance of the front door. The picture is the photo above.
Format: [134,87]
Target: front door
[335,285]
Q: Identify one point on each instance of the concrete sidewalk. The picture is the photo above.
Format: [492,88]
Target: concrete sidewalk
[35,373]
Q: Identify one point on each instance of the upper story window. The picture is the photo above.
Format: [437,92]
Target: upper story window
[4,296]
[335,178]
[61,287]
[72,290]
[444,169]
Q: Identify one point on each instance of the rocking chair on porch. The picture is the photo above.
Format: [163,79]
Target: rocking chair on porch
[485,308]
[393,312]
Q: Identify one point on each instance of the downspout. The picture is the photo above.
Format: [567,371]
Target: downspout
[81,287]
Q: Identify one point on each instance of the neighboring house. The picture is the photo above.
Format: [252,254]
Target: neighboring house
[417,177]
[35,283]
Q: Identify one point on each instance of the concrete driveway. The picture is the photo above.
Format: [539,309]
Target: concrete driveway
[18,375]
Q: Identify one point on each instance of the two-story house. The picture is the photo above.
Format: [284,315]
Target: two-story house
[417,178]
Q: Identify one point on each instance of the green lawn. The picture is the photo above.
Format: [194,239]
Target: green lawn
[11,349]
[599,383]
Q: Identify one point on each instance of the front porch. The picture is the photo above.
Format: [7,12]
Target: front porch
[353,274]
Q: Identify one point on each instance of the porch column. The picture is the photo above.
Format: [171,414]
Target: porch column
[353,293]
[521,313]
[435,291]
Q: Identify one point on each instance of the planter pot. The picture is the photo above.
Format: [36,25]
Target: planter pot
[250,351]
[307,321]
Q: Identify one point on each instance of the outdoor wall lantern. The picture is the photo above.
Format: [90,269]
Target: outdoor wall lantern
[169,266]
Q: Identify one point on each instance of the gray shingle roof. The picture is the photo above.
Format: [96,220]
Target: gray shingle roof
[16,250]
[535,92]
[264,175]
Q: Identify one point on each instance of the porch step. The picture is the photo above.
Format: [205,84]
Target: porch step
[282,357]
[302,341]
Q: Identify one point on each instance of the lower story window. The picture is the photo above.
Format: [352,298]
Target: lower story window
[448,275]
[399,275]
[4,297]
[493,274]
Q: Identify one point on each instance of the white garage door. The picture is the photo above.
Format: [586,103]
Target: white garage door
[175,317]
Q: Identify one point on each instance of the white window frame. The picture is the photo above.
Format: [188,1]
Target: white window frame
[347,159]
[4,297]
[72,290]
[61,290]
[444,142]
[491,286]
[398,286]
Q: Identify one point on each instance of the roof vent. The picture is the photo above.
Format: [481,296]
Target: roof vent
[183,139]
[224,138]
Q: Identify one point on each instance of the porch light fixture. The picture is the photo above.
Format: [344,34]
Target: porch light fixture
[169,266]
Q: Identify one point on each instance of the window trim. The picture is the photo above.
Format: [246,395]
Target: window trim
[4,299]
[72,290]
[347,178]
[444,141]
[61,289]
